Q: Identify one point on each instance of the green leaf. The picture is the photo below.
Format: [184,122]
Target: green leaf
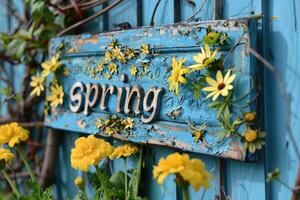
[18,97]
[215,104]
[118,179]
[16,48]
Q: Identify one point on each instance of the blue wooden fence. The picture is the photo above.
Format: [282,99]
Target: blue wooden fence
[279,42]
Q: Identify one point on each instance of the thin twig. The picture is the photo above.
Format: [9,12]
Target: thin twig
[31,124]
[283,93]
[85,4]
[197,12]
[90,18]
[154,12]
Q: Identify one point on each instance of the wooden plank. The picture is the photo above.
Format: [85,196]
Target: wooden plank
[168,41]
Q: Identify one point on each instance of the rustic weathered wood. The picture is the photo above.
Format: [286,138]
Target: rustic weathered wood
[181,40]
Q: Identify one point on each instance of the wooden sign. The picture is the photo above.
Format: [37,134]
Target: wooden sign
[118,85]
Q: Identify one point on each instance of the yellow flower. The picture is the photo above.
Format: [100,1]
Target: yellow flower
[254,140]
[133,70]
[249,116]
[197,135]
[116,52]
[78,181]
[124,151]
[190,170]
[99,67]
[145,49]
[107,57]
[177,75]
[6,155]
[89,151]
[204,58]
[107,75]
[128,123]
[50,65]
[38,84]
[92,72]
[109,131]
[56,95]
[12,134]
[220,86]
[122,58]
[129,53]
[112,44]
[112,67]
[99,122]
[250,135]
[66,71]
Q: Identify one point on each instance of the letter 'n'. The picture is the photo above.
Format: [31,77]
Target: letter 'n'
[134,94]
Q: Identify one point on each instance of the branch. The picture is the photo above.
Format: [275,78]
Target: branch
[48,167]
[90,18]
[86,4]
[154,12]
[196,13]
[283,93]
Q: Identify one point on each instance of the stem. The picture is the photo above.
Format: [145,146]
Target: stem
[103,183]
[185,192]
[11,184]
[19,150]
[125,178]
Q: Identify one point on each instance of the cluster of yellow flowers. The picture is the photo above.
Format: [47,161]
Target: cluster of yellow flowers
[254,139]
[113,124]
[37,82]
[11,134]
[219,86]
[89,151]
[190,170]
[119,53]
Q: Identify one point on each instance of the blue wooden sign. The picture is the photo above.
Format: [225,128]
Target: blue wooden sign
[118,85]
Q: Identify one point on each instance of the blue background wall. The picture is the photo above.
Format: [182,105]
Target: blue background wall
[279,40]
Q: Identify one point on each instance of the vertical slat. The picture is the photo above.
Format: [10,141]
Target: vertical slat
[244,180]
[105,18]
[218,9]
[177,11]
[139,12]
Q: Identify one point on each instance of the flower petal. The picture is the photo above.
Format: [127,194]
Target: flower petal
[211,81]
[219,77]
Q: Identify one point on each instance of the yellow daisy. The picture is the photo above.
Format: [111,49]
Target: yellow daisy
[177,75]
[129,53]
[133,70]
[128,123]
[66,72]
[50,65]
[99,67]
[107,75]
[144,49]
[38,84]
[204,58]
[107,57]
[56,95]
[220,86]
[112,67]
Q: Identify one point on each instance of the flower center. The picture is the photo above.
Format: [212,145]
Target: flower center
[250,135]
[176,75]
[58,96]
[221,86]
